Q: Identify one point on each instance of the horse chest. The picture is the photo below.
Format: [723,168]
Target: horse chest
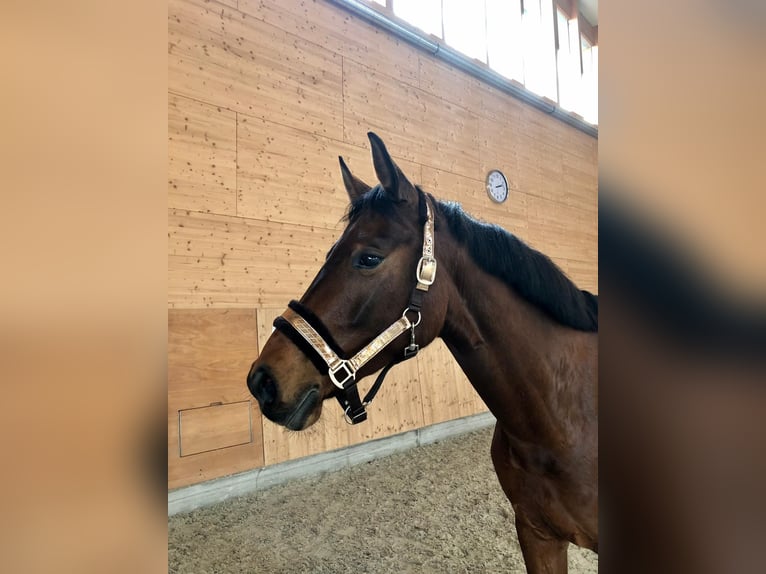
[546,490]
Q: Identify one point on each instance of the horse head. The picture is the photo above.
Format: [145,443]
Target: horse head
[363,309]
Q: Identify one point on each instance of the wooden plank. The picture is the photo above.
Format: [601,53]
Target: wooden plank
[210,428]
[562,216]
[562,232]
[542,128]
[215,463]
[503,110]
[209,355]
[441,397]
[195,287]
[289,175]
[224,261]
[325,25]
[470,401]
[583,273]
[449,84]
[396,408]
[201,156]
[329,433]
[416,124]
[226,58]
[580,182]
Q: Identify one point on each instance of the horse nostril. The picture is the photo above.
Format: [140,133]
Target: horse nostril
[262,386]
[251,373]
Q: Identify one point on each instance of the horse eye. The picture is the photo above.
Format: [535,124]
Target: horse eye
[368,261]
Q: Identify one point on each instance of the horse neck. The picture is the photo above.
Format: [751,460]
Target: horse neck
[516,357]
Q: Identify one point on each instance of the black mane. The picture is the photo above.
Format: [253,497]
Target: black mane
[532,274]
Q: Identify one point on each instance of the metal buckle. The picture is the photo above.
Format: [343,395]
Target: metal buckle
[426,272]
[349,374]
[350,420]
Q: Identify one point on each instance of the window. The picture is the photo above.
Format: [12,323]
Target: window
[465,27]
[589,98]
[504,40]
[517,39]
[568,62]
[425,14]
[539,48]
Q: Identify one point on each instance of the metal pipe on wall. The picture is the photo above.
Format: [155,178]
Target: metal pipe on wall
[462,62]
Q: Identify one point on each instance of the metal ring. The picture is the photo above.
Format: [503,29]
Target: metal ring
[416,323]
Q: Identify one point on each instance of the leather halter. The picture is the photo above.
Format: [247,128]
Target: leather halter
[310,335]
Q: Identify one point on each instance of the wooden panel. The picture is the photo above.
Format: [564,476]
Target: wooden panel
[396,408]
[289,175]
[318,22]
[418,125]
[209,355]
[222,261]
[539,126]
[210,428]
[226,58]
[329,433]
[201,156]
[444,395]
[503,110]
[562,232]
[580,183]
[215,463]
[583,273]
[449,84]
[470,401]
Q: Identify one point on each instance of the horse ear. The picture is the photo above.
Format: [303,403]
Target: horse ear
[391,178]
[355,187]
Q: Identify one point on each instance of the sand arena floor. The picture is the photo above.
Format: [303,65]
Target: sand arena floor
[433,509]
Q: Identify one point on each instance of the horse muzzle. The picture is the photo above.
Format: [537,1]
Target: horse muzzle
[263,386]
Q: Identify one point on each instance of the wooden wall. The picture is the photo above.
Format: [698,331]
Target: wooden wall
[263,97]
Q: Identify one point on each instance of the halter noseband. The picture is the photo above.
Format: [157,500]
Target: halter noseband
[311,336]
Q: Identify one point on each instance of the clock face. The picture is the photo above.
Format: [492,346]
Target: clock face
[497,186]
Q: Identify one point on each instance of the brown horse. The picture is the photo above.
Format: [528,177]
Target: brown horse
[523,333]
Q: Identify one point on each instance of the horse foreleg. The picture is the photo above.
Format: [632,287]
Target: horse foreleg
[543,554]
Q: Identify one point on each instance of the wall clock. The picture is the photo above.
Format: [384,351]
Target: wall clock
[497,186]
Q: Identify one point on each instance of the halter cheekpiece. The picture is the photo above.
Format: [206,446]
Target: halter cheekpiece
[310,335]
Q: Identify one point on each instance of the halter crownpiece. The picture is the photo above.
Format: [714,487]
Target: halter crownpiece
[310,335]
